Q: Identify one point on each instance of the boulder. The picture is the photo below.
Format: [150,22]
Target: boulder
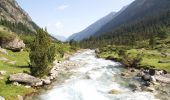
[14,45]
[26,79]
[2,72]
[146,77]
[2,98]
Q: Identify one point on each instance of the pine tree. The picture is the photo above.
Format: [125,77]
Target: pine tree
[42,54]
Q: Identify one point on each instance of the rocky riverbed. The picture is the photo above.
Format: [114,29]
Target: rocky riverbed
[85,77]
[93,78]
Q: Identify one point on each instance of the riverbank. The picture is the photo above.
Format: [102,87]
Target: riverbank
[97,79]
[149,75]
[18,62]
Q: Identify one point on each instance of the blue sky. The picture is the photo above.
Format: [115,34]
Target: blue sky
[65,17]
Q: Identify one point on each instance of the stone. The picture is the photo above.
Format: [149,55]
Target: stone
[135,86]
[146,77]
[27,86]
[153,79]
[12,62]
[2,98]
[46,81]
[150,89]
[164,61]
[163,79]
[132,70]
[16,84]
[25,78]
[66,56]
[20,97]
[113,91]
[3,72]
[15,45]
[152,72]
[3,51]
[97,50]
[3,59]
[141,74]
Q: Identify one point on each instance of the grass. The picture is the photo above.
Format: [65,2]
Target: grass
[150,57]
[9,91]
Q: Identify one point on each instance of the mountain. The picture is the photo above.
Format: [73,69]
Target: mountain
[12,13]
[141,21]
[92,29]
[136,10]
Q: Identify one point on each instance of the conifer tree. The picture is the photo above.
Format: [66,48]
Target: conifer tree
[42,54]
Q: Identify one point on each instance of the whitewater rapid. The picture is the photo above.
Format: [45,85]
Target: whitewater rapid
[92,81]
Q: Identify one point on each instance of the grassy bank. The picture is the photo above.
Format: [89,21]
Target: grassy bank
[17,62]
[10,91]
[157,57]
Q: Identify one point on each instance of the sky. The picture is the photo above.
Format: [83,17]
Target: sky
[65,17]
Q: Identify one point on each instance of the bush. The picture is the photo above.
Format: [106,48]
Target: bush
[42,54]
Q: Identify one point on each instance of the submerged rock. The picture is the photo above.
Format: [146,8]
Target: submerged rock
[26,79]
[113,91]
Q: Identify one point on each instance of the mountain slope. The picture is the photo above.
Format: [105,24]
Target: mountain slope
[136,10]
[11,12]
[92,29]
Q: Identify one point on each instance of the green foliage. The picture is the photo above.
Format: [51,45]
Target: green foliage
[5,36]
[42,54]
[16,27]
[152,41]
[162,34]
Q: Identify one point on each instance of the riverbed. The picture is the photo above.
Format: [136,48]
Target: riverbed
[92,81]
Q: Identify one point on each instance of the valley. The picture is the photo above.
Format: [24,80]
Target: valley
[123,55]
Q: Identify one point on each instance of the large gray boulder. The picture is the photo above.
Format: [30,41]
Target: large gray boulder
[14,45]
[26,79]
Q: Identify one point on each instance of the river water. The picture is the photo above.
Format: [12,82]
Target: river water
[92,81]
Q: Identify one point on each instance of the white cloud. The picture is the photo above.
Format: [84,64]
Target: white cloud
[62,7]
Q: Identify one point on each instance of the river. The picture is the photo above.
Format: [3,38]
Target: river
[92,81]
